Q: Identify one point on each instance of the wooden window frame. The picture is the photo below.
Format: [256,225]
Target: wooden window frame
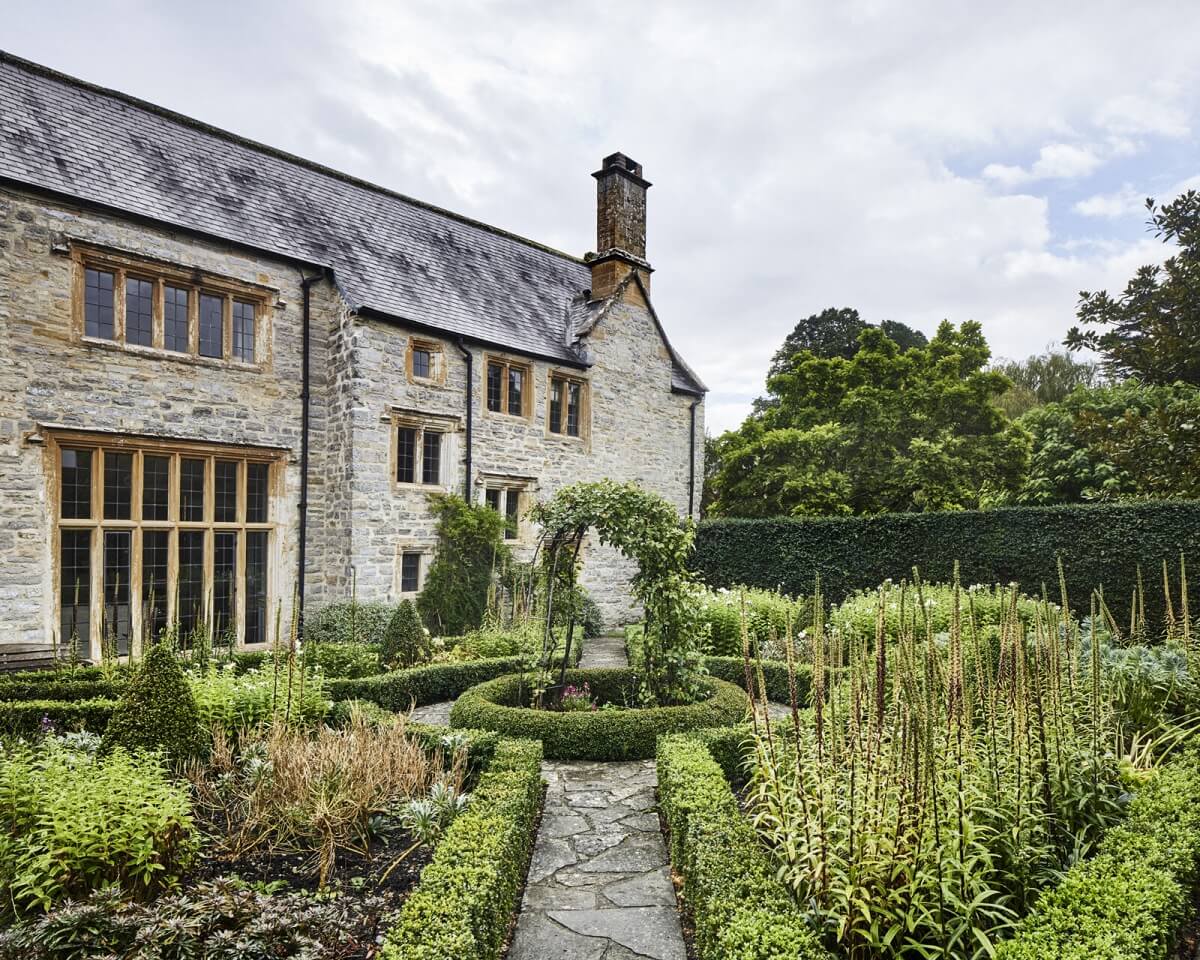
[421,425]
[437,362]
[585,406]
[527,400]
[102,445]
[159,275]
[508,487]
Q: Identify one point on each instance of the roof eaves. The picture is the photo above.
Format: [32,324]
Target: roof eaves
[200,125]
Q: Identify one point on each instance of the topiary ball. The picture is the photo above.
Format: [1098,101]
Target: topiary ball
[158,710]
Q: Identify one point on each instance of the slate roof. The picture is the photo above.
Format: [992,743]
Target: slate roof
[389,254]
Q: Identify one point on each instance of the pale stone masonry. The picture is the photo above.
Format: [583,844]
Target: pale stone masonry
[164,287]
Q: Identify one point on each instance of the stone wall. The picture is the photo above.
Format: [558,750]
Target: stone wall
[638,432]
[48,376]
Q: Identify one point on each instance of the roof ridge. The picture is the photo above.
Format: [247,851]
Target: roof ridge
[184,120]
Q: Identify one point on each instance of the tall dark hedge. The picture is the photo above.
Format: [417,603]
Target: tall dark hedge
[1100,545]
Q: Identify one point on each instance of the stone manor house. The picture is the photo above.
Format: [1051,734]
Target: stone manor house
[229,376]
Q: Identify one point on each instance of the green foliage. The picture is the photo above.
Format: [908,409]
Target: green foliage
[1114,443]
[1127,902]
[939,787]
[158,711]
[216,919]
[855,617]
[400,690]
[341,660]
[627,733]
[1099,545]
[347,621]
[1048,377]
[236,701]
[469,893]
[405,642]
[646,528]
[27,717]
[58,689]
[767,616]
[1151,330]
[470,550]
[885,430]
[73,822]
[740,910]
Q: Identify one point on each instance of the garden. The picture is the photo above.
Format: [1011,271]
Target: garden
[907,769]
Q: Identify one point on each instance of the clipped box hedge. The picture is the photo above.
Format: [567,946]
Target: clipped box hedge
[614,734]
[1129,901]
[24,717]
[58,689]
[1101,544]
[432,683]
[739,908]
[468,894]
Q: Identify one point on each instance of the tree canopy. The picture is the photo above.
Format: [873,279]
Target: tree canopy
[1152,330]
[885,429]
[1043,378]
[1127,442]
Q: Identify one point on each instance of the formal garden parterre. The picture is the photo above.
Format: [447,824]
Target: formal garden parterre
[913,769]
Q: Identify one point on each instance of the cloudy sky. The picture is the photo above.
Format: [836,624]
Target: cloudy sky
[916,160]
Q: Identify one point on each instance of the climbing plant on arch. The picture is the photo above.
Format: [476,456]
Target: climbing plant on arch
[648,530]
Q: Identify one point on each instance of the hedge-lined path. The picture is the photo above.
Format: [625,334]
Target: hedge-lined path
[604,651]
[434,713]
[599,886]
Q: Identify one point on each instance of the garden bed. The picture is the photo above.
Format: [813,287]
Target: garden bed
[618,731]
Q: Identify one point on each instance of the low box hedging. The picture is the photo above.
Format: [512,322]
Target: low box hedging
[1099,544]
[468,894]
[733,670]
[603,734]
[433,683]
[24,717]
[1129,901]
[739,908]
[58,689]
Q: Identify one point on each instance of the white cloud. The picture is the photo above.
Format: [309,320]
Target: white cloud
[802,155]
[1056,161]
[1120,203]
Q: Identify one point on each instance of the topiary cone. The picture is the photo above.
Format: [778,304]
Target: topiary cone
[158,710]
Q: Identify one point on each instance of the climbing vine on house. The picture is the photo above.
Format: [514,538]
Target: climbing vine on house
[647,529]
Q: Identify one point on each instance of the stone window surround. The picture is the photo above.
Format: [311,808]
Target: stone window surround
[527,400]
[585,406]
[162,273]
[437,361]
[425,550]
[447,426]
[524,486]
[57,438]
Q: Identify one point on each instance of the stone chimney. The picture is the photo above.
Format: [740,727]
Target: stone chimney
[620,225]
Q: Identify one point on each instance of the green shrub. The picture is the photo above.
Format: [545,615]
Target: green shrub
[733,670]
[739,908]
[341,713]
[1099,544]
[1129,901]
[348,621]
[470,549]
[767,616]
[400,690]
[343,660]
[60,689]
[158,711]
[237,702]
[72,822]
[27,717]
[462,908]
[604,734]
[405,642]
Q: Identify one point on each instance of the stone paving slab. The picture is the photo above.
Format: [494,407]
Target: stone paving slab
[437,714]
[599,887]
